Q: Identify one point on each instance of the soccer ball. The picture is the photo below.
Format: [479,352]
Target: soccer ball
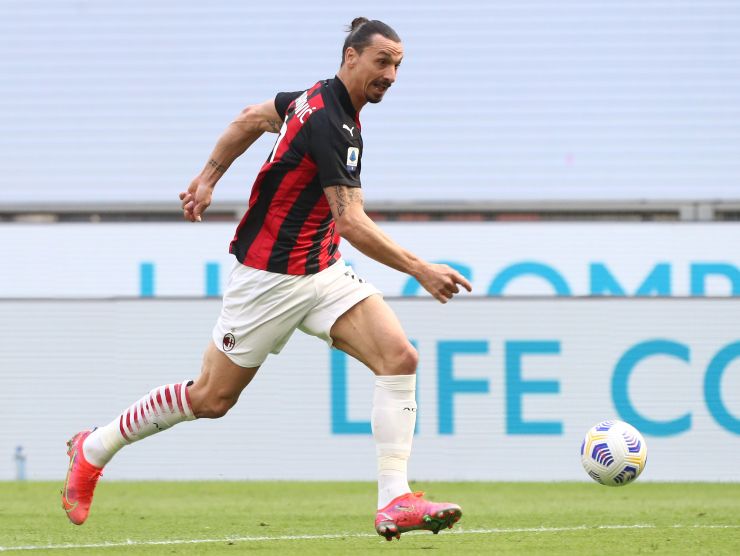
[613,453]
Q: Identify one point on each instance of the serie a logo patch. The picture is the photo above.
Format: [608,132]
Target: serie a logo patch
[353,156]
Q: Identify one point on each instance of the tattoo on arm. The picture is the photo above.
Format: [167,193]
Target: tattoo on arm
[274,125]
[216,166]
[355,194]
[341,199]
[345,196]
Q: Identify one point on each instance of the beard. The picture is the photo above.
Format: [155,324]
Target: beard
[376,95]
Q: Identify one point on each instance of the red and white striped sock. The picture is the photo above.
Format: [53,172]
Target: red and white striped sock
[159,410]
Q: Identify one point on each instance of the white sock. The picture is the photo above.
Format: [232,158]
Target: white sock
[159,410]
[393,420]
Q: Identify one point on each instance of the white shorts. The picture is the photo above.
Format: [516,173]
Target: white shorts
[261,309]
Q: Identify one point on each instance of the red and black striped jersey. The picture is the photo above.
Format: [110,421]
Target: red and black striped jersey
[288,227]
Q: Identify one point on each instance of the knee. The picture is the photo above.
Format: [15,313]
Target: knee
[404,361]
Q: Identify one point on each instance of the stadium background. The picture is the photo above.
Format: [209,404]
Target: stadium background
[578,160]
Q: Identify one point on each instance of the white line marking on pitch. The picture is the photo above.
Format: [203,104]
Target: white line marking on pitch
[495,531]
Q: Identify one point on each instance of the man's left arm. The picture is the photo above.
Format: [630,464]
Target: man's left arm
[353,224]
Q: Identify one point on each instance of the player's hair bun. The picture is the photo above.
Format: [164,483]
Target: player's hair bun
[361,32]
[356,22]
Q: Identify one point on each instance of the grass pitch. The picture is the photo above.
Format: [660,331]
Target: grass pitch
[337,518]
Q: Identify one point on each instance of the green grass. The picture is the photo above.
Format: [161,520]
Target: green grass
[500,518]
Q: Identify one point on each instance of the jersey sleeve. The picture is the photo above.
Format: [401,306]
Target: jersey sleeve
[336,151]
[283,100]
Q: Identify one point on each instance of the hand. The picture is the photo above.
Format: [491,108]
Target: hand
[442,281]
[195,200]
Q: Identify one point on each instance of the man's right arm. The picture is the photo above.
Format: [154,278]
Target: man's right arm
[246,128]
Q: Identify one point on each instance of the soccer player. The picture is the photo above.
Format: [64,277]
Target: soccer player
[289,274]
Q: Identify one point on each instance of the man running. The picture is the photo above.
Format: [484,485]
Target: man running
[289,274]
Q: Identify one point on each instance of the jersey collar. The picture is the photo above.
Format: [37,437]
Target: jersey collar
[342,94]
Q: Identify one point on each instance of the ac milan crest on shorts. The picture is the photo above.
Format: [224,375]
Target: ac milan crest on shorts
[262,309]
[229,341]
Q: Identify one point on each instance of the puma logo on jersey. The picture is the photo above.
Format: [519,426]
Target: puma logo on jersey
[350,129]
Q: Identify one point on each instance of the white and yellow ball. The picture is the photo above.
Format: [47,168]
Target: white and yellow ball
[613,453]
